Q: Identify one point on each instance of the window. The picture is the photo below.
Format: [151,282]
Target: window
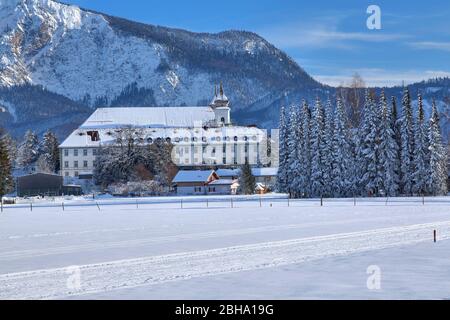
[222,120]
[75,152]
[66,164]
[66,173]
[76,174]
[75,164]
[224,148]
[94,152]
[224,160]
[85,152]
[66,152]
[85,164]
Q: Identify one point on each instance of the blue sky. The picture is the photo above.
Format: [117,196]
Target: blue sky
[329,39]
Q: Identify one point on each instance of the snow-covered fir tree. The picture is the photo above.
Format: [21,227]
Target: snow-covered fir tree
[317,157]
[437,169]
[388,149]
[407,144]
[294,138]
[304,180]
[283,168]
[327,149]
[29,150]
[49,157]
[420,152]
[6,180]
[341,153]
[369,148]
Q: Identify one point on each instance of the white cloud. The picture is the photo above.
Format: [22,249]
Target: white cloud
[431,45]
[321,35]
[381,77]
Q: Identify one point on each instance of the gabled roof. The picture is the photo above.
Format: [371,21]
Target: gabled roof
[193,176]
[164,117]
[228,172]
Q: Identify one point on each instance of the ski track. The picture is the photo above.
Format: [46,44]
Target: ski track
[131,273]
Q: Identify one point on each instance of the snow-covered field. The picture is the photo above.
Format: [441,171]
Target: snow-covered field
[166,248]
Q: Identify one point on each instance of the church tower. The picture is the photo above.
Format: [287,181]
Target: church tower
[221,106]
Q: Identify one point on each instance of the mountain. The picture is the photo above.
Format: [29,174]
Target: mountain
[59,62]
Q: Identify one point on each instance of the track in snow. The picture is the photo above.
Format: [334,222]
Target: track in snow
[101,277]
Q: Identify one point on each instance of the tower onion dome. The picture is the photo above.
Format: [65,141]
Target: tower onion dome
[220,100]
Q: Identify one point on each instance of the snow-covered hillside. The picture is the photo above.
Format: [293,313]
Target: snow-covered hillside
[58,62]
[94,59]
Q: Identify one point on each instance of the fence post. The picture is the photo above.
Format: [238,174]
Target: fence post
[62,205]
[321,201]
[289,202]
[260,202]
[181,203]
[387,199]
[207,203]
[31,206]
[232,203]
[423,199]
[1,203]
[97,205]
[137,204]
[435,236]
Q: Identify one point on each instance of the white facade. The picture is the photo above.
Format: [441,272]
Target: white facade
[202,136]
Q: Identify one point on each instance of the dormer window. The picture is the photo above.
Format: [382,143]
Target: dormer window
[95,136]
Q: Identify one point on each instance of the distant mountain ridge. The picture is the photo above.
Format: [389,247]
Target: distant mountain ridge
[58,62]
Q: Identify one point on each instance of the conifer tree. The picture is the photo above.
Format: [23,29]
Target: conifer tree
[6,180]
[317,140]
[246,179]
[437,176]
[420,151]
[388,149]
[283,168]
[407,144]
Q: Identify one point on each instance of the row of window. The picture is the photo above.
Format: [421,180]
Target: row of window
[76,164]
[199,189]
[77,152]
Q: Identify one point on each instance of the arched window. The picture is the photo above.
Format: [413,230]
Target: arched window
[222,120]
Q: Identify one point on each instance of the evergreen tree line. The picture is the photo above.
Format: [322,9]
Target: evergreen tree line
[42,155]
[390,153]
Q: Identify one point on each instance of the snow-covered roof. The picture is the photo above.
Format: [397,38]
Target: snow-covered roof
[149,117]
[193,176]
[264,172]
[227,172]
[182,135]
[223,182]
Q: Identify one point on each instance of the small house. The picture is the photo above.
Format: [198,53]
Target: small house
[193,182]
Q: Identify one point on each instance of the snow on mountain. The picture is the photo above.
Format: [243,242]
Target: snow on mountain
[58,62]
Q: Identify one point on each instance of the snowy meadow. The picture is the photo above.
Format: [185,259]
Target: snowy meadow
[226,248]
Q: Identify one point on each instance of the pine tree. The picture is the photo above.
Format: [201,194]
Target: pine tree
[369,149]
[341,153]
[50,153]
[6,180]
[294,149]
[247,180]
[283,168]
[407,144]
[327,149]
[304,178]
[29,150]
[437,176]
[317,163]
[388,149]
[420,151]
